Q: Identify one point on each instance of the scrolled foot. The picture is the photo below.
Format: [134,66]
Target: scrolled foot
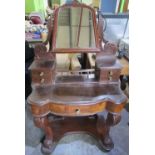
[47,147]
[48,143]
[107,143]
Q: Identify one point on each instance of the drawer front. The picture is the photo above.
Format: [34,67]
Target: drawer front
[41,76]
[68,110]
[80,110]
[109,75]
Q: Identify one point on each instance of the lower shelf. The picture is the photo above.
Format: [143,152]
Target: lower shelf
[92,125]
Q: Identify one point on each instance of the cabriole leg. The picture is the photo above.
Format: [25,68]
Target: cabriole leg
[43,123]
[104,126]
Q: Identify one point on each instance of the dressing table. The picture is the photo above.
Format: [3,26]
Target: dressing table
[65,102]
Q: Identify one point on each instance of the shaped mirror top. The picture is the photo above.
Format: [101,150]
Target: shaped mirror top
[75,29]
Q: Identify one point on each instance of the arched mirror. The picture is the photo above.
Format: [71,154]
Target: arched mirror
[75,29]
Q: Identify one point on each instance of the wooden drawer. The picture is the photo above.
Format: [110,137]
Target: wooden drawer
[81,110]
[68,110]
[41,76]
[108,74]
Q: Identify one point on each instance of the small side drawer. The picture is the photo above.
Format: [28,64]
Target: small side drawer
[109,75]
[41,76]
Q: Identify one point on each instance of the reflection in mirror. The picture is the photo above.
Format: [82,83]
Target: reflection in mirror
[75,28]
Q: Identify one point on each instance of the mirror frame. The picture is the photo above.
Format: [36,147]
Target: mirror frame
[75,50]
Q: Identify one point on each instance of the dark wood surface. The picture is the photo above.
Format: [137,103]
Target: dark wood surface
[77,94]
[75,97]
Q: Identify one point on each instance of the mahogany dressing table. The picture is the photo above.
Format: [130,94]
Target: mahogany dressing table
[73,101]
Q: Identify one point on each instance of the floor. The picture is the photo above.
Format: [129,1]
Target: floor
[78,144]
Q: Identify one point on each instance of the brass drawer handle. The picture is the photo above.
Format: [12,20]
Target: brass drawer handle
[42,73]
[77,111]
[110,78]
[42,80]
[110,73]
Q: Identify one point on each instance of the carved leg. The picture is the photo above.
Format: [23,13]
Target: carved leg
[103,127]
[43,123]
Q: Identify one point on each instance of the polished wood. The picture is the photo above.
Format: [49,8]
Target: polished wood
[77,98]
[75,110]
[42,72]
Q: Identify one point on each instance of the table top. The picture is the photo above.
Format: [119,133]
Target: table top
[88,93]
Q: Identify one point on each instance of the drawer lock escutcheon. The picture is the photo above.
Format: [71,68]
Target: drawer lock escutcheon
[77,111]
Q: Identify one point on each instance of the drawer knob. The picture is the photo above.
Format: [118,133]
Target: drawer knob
[42,80]
[77,111]
[110,73]
[42,73]
[110,78]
